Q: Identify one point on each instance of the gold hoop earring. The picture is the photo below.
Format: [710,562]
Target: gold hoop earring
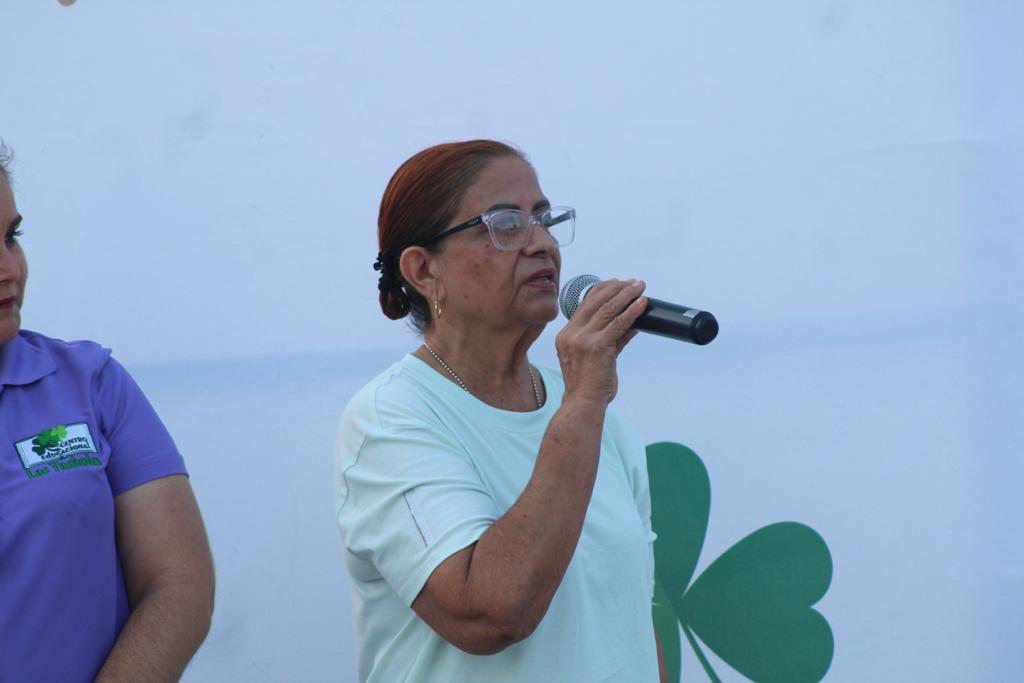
[437,309]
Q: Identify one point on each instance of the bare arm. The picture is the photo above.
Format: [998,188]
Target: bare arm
[168,572]
[495,592]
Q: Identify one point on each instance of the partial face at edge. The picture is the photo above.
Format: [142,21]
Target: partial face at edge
[13,266]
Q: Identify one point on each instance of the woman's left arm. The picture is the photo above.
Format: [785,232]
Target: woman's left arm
[168,573]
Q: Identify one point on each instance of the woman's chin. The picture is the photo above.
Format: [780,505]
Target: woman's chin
[8,331]
[543,314]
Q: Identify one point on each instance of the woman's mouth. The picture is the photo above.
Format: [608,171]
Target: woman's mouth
[9,302]
[544,279]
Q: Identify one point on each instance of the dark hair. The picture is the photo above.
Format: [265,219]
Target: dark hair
[5,161]
[421,199]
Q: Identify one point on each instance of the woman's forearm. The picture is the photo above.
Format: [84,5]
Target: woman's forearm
[162,633]
[518,564]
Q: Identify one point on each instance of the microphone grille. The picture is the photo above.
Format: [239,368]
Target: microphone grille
[569,298]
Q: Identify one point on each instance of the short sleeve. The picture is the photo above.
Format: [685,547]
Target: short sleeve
[408,498]
[141,449]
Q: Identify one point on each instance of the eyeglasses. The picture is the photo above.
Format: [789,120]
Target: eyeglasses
[511,229]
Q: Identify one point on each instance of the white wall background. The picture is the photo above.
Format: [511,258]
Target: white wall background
[839,182]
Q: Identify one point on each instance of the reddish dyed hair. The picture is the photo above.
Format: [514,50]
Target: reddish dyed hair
[421,199]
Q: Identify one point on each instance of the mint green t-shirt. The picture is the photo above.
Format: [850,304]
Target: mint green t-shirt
[422,469]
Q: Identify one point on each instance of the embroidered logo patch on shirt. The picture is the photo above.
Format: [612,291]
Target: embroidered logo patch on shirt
[56,445]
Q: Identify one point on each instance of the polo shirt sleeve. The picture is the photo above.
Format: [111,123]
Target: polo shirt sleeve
[141,449]
[409,499]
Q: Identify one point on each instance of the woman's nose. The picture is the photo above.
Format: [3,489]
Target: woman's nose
[9,268]
[540,240]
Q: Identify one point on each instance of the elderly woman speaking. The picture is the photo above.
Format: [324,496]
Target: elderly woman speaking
[495,515]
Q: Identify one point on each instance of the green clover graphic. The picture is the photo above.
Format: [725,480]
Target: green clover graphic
[751,606]
[49,439]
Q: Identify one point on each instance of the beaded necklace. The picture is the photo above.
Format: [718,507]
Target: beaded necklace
[458,380]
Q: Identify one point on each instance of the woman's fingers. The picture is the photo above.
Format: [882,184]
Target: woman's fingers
[608,301]
[625,339]
[634,310]
[597,296]
[624,308]
[625,320]
[598,331]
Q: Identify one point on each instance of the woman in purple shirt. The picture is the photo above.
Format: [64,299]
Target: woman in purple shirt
[105,570]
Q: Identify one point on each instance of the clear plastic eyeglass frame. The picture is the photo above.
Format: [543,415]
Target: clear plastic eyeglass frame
[512,229]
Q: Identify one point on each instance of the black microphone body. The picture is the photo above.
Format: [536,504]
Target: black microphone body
[677,322]
[661,317]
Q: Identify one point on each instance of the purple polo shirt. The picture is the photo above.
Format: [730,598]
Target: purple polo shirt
[75,431]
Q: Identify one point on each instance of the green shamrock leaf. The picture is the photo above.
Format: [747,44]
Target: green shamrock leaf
[680,501]
[51,438]
[38,450]
[751,606]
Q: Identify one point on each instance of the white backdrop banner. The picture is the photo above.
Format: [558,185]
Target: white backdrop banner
[838,182]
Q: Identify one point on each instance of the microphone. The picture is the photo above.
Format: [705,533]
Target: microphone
[661,318]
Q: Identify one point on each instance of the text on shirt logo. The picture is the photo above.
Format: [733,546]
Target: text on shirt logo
[55,449]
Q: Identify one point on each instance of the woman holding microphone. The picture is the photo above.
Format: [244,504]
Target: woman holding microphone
[495,515]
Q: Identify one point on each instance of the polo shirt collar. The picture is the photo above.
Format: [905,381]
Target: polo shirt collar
[23,363]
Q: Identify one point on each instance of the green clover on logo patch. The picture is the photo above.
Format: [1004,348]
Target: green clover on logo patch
[752,605]
[49,439]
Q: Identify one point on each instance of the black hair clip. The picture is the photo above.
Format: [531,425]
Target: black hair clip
[388,279]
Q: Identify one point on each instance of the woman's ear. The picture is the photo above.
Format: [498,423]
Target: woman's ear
[420,269]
